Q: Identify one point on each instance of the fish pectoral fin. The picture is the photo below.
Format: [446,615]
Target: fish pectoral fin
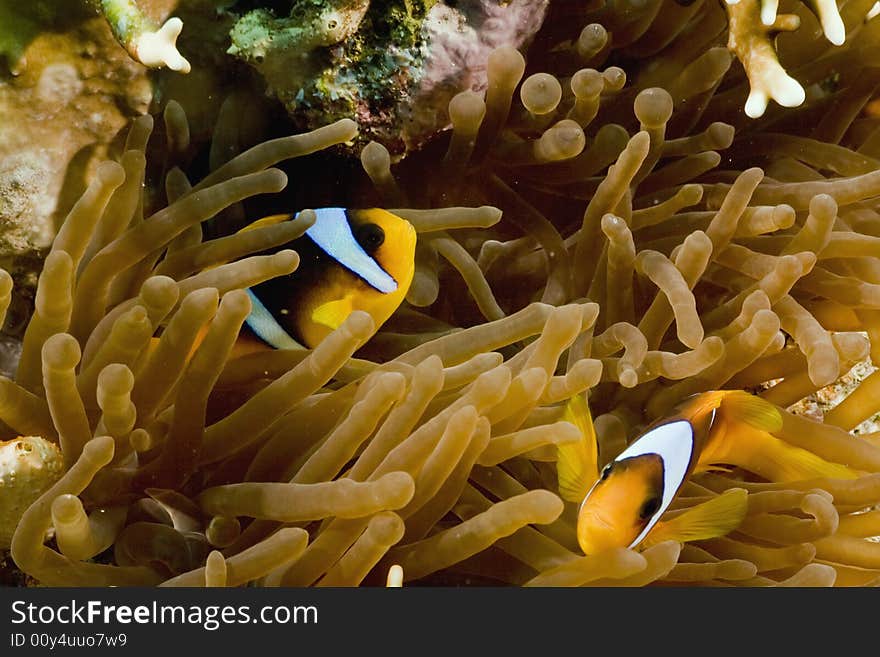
[333,313]
[740,406]
[717,517]
[577,464]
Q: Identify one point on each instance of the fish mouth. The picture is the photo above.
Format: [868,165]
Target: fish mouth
[599,521]
[596,533]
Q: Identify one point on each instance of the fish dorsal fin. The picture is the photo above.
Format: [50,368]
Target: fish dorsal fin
[333,313]
[332,233]
[701,403]
[578,463]
[267,328]
[717,517]
[740,406]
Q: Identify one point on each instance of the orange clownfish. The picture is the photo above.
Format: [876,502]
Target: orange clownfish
[349,260]
[622,505]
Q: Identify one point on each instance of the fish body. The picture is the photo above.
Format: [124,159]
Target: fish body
[622,505]
[349,260]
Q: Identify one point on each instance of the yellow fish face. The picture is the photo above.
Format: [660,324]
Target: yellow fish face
[349,260]
[390,242]
[621,504]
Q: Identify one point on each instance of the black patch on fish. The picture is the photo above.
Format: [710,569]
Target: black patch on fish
[656,481]
[282,294]
[369,236]
[373,236]
[650,507]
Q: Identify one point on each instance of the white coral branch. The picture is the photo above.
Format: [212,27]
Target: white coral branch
[159,48]
[750,40]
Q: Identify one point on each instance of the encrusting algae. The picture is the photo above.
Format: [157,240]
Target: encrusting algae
[578,232]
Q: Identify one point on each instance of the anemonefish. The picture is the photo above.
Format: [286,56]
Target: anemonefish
[622,505]
[349,260]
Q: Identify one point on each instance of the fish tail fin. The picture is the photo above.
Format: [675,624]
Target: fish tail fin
[578,463]
[776,460]
[747,441]
[717,517]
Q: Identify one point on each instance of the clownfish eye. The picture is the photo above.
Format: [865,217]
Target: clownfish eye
[649,508]
[605,472]
[370,237]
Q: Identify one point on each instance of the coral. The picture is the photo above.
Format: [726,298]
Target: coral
[752,26]
[72,91]
[132,25]
[28,466]
[283,49]
[152,45]
[397,72]
[393,65]
[17,29]
[459,41]
[750,40]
